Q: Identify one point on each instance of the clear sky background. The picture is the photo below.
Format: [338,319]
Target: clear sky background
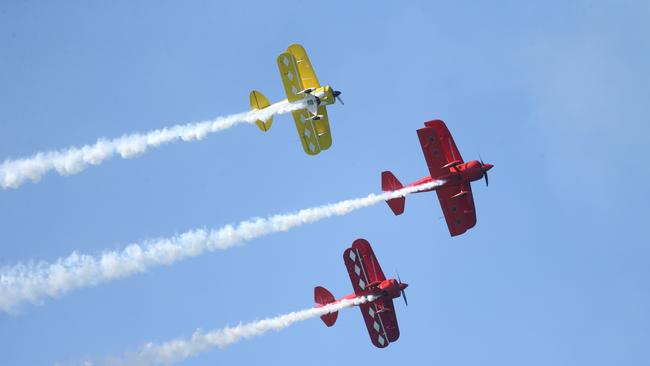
[555,94]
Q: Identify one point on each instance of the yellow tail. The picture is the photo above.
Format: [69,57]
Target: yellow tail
[258,101]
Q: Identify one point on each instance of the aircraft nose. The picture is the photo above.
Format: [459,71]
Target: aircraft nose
[403,285]
[487,167]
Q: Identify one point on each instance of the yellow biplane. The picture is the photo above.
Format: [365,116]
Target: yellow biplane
[300,84]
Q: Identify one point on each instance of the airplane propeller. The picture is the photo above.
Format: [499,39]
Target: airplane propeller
[337,96]
[485,175]
[402,290]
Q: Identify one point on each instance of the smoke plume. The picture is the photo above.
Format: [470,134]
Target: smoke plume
[31,282]
[180,349]
[70,161]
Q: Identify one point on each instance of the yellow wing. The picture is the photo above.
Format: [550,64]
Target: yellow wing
[306,72]
[290,78]
[297,75]
[306,131]
[322,128]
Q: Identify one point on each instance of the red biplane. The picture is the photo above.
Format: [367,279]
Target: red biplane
[368,279]
[445,164]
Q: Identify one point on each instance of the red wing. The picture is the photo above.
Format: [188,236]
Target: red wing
[389,319]
[381,322]
[438,147]
[362,265]
[457,207]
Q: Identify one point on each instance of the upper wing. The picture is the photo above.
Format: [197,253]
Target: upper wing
[290,77]
[362,265]
[381,321]
[306,72]
[438,147]
[306,131]
[458,209]
[322,128]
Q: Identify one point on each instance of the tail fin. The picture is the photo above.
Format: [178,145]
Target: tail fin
[258,101]
[323,297]
[390,183]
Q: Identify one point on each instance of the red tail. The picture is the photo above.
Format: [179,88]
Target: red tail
[390,183]
[323,297]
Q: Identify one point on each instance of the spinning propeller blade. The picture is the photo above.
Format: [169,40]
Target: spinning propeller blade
[337,95]
[399,280]
[485,175]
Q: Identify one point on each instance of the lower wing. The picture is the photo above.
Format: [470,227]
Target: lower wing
[306,131]
[381,322]
[322,128]
[457,204]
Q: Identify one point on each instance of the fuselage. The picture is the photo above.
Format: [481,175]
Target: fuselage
[323,95]
[385,289]
[465,172]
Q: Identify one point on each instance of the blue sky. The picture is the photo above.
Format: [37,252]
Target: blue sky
[555,94]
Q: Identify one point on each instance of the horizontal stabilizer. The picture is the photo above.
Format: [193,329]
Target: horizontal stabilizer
[316,117]
[258,101]
[459,194]
[452,163]
[390,183]
[323,297]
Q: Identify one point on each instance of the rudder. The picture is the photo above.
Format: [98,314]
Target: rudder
[258,101]
[323,297]
[390,183]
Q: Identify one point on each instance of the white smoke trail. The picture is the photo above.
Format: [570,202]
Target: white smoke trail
[180,349]
[32,282]
[14,173]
